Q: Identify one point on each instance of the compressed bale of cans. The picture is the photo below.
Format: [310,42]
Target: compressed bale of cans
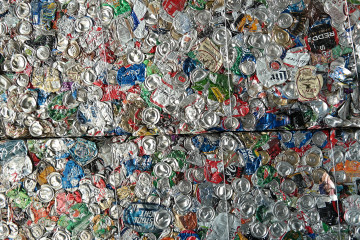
[179,119]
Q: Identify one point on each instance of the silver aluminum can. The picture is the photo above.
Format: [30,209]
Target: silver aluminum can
[162,219]
[152,82]
[181,80]
[54,180]
[306,202]
[36,129]
[247,67]
[18,63]
[241,185]
[23,28]
[14,230]
[107,14]
[228,143]
[183,202]
[73,49]
[46,193]
[319,138]
[206,214]
[185,187]
[135,56]
[162,169]
[150,116]
[5,82]
[284,168]
[22,80]
[247,208]
[198,74]
[43,53]
[231,123]
[221,36]
[285,20]
[149,145]
[223,191]
[85,235]
[61,235]
[3,29]
[37,231]
[28,103]
[288,186]
[296,224]
[281,211]
[115,212]
[163,142]
[4,230]
[210,119]
[22,10]
[83,24]
[277,229]
[198,174]
[258,230]
[89,76]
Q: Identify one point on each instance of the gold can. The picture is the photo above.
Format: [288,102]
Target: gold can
[312,159]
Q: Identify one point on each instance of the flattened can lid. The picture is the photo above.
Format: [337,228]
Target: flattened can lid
[281,211]
[231,123]
[162,170]
[85,235]
[285,20]
[46,193]
[89,76]
[288,186]
[61,235]
[43,53]
[183,202]
[247,67]
[83,24]
[224,191]
[3,29]
[54,180]
[163,142]
[221,36]
[107,14]
[228,143]
[149,145]
[24,27]
[306,202]
[150,116]
[185,186]
[36,129]
[28,103]
[241,185]
[73,49]
[4,230]
[18,63]
[22,10]
[210,119]
[258,230]
[206,214]
[135,56]
[37,231]
[22,80]
[162,219]
[152,82]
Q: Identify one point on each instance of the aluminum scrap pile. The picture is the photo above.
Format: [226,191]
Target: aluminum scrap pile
[179,119]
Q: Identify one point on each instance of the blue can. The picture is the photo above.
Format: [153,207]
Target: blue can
[140,217]
[127,77]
